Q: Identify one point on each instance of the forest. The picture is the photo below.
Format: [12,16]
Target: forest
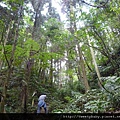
[66,49]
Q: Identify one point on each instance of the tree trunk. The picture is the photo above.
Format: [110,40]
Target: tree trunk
[69,68]
[24,99]
[6,38]
[86,84]
[95,63]
[51,72]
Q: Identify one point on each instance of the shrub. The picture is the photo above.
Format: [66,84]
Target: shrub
[112,85]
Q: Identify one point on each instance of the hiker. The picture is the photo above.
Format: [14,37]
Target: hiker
[41,103]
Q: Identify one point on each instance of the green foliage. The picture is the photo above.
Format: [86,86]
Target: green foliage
[103,29]
[96,106]
[56,106]
[7,51]
[30,45]
[79,87]
[95,101]
[15,1]
[63,93]
[114,6]
[92,101]
[45,56]
[67,98]
[52,22]
[112,84]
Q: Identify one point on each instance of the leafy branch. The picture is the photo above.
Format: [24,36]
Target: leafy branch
[103,4]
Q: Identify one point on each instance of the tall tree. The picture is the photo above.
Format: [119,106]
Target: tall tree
[16,23]
[94,62]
